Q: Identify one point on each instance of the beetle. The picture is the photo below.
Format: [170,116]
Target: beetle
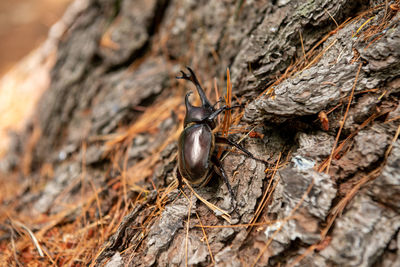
[197,157]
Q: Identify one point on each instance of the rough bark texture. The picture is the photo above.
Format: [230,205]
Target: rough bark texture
[118,59]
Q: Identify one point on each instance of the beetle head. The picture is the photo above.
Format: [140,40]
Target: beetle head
[197,114]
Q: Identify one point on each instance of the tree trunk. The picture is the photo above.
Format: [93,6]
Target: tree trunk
[320,81]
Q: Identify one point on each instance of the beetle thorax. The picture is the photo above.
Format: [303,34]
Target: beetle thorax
[197,115]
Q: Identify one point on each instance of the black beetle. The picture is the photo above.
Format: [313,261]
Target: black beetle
[196,154]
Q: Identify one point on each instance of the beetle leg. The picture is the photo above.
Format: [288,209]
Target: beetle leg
[218,165]
[180,181]
[218,111]
[226,141]
[221,99]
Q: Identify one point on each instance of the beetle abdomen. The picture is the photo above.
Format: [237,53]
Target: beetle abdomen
[196,144]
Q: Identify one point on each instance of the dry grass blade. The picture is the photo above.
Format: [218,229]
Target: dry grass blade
[205,237]
[187,231]
[302,47]
[317,57]
[337,25]
[266,196]
[228,101]
[344,118]
[171,187]
[387,153]
[76,234]
[285,220]
[215,209]
[99,222]
[216,91]
[302,64]
[308,251]
[98,203]
[59,217]
[338,209]
[28,156]
[226,122]
[362,26]
[148,122]
[83,180]
[339,148]
[13,246]
[244,224]
[31,235]
[145,167]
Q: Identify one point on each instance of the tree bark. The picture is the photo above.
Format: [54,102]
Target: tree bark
[113,113]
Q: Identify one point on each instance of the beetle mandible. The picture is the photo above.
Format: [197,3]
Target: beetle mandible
[197,158]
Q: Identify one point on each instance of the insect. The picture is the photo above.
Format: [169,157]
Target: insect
[197,156]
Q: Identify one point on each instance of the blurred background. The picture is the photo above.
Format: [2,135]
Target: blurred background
[24,26]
